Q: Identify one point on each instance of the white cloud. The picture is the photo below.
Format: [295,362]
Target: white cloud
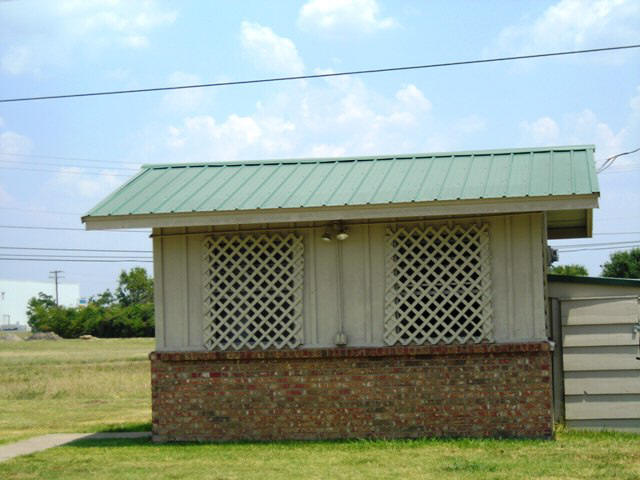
[325,150]
[203,138]
[77,181]
[135,41]
[16,59]
[471,124]
[128,22]
[344,15]
[634,103]
[12,143]
[585,125]
[269,50]
[324,119]
[411,96]
[543,131]
[5,197]
[63,30]
[573,24]
[580,128]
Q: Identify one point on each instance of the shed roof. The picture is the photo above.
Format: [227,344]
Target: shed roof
[625,282]
[224,187]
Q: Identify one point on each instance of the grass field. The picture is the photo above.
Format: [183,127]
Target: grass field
[571,456]
[73,385]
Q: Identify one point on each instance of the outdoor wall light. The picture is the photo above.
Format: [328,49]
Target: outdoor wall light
[342,232]
[338,229]
[342,235]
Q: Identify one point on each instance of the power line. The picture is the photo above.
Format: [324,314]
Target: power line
[75,249]
[35,210]
[60,255]
[609,161]
[47,164]
[602,244]
[600,248]
[74,260]
[64,173]
[59,157]
[320,75]
[28,227]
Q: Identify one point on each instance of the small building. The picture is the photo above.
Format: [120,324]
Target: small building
[596,330]
[388,296]
[15,295]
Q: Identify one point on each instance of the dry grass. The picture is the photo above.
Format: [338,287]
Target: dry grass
[73,385]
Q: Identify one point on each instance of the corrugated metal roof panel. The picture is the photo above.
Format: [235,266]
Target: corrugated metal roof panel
[355,181]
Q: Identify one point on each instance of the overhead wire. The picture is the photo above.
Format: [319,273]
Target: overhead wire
[610,161]
[597,244]
[75,260]
[65,172]
[62,165]
[57,255]
[60,157]
[4,247]
[599,248]
[35,210]
[319,75]
[29,227]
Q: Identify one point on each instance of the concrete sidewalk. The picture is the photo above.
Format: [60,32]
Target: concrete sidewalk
[44,442]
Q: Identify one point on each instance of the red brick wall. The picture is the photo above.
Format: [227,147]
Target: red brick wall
[391,392]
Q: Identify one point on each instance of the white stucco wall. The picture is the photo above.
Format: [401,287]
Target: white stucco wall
[517,276]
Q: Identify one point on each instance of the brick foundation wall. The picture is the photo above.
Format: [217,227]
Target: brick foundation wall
[392,392]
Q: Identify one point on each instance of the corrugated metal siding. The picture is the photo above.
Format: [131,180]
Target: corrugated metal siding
[354,181]
[601,372]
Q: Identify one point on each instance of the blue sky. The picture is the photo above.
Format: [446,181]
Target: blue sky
[79,46]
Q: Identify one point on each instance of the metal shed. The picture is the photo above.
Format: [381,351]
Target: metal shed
[596,327]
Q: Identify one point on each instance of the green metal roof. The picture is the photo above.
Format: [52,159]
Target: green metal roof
[375,180]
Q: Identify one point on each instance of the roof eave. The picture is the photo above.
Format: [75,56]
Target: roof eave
[351,212]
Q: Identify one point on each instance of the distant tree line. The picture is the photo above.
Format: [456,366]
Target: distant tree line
[126,313]
[623,264]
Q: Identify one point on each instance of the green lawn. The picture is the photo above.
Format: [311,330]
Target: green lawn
[76,385]
[73,386]
[571,456]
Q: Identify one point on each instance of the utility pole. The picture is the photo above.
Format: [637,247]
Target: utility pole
[55,274]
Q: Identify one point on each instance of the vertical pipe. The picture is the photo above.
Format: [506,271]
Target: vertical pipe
[557,364]
[341,338]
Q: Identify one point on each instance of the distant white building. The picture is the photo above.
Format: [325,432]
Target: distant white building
[15,294]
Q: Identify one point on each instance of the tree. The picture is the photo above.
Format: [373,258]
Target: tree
[572,269]
[128,313]
[625,264]
[134,287]
[38,309]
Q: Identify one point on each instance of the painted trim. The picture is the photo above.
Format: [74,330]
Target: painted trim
[355,352]
[426,209]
